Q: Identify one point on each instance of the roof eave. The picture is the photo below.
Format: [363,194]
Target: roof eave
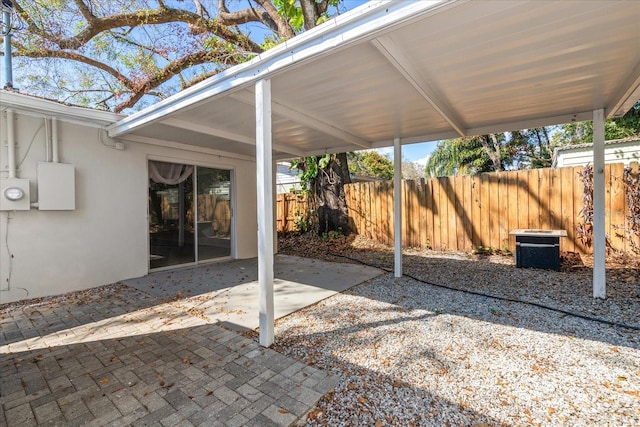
[47,108]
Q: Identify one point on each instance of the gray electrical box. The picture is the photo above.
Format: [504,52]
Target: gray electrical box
[56,187]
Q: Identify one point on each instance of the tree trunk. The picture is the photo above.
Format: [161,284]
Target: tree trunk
[329,196]
[492,147]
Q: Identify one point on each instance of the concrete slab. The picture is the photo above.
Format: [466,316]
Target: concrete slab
[227,292]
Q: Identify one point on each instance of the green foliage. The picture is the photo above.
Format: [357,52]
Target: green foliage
[310,167]
[582,132]
[489,250]
[370,163]
[464,156]
[289,9]
[302,221]
[333,234]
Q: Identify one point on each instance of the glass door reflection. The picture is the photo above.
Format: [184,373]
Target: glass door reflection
[214,213]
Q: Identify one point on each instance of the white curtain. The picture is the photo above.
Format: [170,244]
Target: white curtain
[169,173]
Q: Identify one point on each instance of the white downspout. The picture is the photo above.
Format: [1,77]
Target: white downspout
[54,140]
[11,144]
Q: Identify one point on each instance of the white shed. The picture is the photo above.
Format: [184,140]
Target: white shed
[615,151]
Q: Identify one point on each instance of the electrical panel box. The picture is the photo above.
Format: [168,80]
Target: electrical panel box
[14,194]
[56,187]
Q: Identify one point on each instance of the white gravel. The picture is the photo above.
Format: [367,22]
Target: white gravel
[409,353]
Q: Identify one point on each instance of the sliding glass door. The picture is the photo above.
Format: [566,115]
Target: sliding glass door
[214,213]
[189,214]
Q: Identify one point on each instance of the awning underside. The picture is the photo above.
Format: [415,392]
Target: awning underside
[448,70]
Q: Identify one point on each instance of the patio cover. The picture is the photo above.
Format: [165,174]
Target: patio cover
[400,72]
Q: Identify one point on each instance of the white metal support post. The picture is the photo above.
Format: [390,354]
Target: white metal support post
[599,237]
[397,206]
[264,172]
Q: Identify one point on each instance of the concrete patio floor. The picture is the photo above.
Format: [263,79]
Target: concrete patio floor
[152,352]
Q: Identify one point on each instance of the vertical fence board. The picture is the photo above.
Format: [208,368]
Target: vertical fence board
[466,209]
[415,212]
[408,203]
[428,195]
[437,209]
[491,205]
[513,208]
[354,207]
[450,224]
[377,209]
[533,185]
[607,202]
[444,218]
[503,203]
[617,206]
[566,209]
[523,197]
[475,210]
[422,219]
[382,195]
[578,203]
[390,217]
[485,228]
[459,201]
[555,201]
[366,208]
[406,210]
[543,199]
[381,215]
[634,176]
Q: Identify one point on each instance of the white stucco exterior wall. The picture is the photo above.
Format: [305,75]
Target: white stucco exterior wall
[105,239]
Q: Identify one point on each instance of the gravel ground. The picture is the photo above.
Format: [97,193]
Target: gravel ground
[409,353]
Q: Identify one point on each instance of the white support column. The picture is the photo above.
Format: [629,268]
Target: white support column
[264,171]
[397,206]
[599,237]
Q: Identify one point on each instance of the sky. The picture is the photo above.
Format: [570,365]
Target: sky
[417,153]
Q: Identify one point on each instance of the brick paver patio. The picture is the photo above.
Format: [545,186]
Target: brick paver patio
[118,356]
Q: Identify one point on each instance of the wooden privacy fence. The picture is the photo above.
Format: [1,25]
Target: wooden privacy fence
[290,209]
[464,212]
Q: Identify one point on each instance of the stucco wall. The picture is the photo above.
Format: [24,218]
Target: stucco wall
[105,239]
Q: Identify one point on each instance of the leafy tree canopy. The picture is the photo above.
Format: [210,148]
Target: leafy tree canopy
[464,156]
[370,163]
[124,55]
[521,149]
[582,132]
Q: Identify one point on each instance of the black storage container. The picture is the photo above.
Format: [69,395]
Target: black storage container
[538,248]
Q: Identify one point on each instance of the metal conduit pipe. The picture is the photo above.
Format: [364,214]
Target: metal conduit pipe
[47,140]
[11,144]
[54,140]
[6,19]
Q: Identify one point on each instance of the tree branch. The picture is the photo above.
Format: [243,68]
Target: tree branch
[163,15]
[283,28]
[491,146]
[310,13]
[48,53]
[172,69]
[86,12]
